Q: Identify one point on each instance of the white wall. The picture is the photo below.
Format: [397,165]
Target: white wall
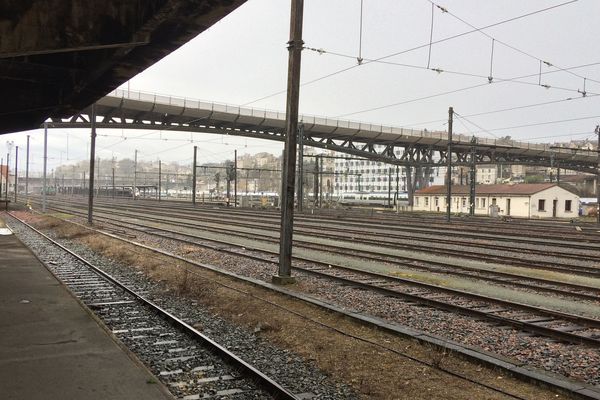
[549,195]
[520,205]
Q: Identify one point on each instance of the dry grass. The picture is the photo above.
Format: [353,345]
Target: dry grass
[366,363]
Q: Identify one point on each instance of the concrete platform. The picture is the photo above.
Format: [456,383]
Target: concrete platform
[50,347]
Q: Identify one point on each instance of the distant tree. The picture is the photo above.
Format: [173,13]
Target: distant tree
[217,179]
[534,179]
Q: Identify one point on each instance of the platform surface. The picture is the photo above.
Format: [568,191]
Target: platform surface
[50,347]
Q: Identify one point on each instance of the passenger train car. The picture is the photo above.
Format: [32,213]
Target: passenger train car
[382,199]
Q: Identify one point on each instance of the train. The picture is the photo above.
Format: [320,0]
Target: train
[118,191]
[382,199]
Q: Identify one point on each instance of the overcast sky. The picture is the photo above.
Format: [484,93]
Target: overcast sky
[243,58]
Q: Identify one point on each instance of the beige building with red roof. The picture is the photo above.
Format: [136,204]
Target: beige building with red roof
[535,200]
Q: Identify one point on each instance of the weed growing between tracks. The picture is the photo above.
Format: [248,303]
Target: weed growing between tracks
[367,364]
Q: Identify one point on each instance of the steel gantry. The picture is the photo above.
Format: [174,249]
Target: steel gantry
[135,110]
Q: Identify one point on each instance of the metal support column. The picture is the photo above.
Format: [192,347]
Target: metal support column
[295,46]
[390,187]
[300,195]
[598,177]
[16,172]
[472,178]
[194,175]
[45,186]
[397,184]
[113,183]
[159,178]
[320,181]
[409,187]
[135,175]
[235,178]
[449,167]
[7,179]
[27,173]
[92,162]
[316,182]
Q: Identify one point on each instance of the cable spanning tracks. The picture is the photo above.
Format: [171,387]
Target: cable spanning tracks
[536,320]
[190,364]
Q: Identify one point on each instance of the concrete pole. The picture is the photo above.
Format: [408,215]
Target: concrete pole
[449,160]
[1,174]
[27,173]
[113,183]
[92,162]
[288,175]
[16,172]
[45,185]
[194,175]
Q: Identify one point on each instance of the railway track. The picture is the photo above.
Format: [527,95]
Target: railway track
[189,363]
[565,289]
[393,239]
[552,234]
[535,320]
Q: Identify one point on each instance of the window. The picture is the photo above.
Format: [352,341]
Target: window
[464,201]
[482,203]
[541,205]
[437,201]
[426,201]
[567,205]
[416,201]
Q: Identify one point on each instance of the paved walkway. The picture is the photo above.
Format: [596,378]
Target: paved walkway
[50,347]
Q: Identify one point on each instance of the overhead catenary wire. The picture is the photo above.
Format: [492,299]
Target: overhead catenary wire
[460,117]
[514,48]
[560,121]
[359,59]
[340,71]
[430,36]
[501,110]
[498,80]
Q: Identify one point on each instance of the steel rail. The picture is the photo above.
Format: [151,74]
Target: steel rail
[304,227]
[406,260]
[522,325]
[264,381]
[564,386]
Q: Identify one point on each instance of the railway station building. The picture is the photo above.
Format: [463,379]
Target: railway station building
[535,200]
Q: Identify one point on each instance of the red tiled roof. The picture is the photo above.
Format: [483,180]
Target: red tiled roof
[517,189]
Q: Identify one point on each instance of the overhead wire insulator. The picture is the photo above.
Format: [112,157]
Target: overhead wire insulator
[438,70]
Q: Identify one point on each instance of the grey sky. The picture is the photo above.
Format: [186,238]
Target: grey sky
[244,58]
